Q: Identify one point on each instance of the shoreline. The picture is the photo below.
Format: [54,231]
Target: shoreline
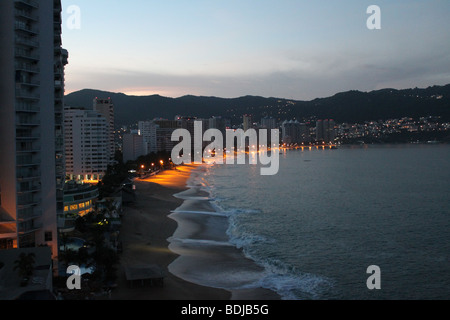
[145,233]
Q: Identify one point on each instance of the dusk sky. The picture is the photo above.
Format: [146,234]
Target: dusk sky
[290,49]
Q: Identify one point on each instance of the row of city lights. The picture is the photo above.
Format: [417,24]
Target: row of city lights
[153,164]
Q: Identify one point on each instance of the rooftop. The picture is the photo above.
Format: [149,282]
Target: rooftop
[40,281]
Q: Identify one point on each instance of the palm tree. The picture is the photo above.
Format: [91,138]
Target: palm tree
[25,265]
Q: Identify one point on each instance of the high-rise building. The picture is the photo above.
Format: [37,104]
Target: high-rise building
[31,123]
[133,147]
[325,131]
[294,132]
[147,129]
[319,130]
[106,108]
[247,122]
[218,123]
[269,123]
[330,131]
[86,142]
[164,133]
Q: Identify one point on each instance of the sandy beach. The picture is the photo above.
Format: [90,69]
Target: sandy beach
[145,230]
[144,233]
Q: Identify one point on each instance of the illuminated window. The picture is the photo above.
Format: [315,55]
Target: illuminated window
[66,208]
[73,207]
[81,205]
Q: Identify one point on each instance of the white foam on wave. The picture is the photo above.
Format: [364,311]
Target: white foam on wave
[247,239]
[289,283]
[295,287]
[200,242]
[193,198]
[209,213]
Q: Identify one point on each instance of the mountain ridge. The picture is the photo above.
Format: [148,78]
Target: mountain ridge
[349,106]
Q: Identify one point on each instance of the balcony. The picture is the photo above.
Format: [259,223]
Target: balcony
[29,83]
[29,226]
[30,3]
[27,42]
[27,148]
[27,161]
[27,200]
[27,14]
[26,107]
[28,190]
[28,136]
[58,71]
[25,94]
[27,67]
[26,54]
[20,26]
[31,122]
[32,176]
[28,214]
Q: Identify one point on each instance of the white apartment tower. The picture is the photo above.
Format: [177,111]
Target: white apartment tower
[31,123]
[147,129]
[86,143]
[106,108]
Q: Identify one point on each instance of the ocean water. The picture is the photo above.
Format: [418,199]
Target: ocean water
[312,230]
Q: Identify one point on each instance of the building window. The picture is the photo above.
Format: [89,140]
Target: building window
[48,236]
[6,244]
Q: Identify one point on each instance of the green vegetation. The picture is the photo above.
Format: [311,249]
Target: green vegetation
[25,266]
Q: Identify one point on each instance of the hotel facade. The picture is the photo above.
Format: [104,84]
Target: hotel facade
[105,107]
[87,151]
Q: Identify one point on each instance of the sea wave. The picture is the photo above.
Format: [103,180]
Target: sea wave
[199,242]
[209,213]
[272,274]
